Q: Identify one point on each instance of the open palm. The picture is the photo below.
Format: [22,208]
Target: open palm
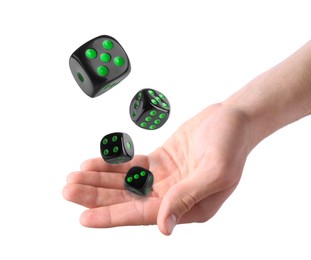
[194,172]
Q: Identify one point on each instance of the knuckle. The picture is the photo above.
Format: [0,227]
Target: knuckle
[225,181]
[187,201]
[224,178]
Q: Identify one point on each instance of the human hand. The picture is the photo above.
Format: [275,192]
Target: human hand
[195,171]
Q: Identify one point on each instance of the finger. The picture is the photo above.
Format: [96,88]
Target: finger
[109,180]
[183,196]
[207,208]
[92,197]
[136,212]
[98,164]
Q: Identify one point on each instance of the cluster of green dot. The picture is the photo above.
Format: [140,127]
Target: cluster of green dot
[136,176]
[155,121]
[158,99]
[154,100]
[115,149]
[150,119]
[104,57]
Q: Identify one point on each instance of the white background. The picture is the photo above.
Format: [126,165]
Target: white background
[197,53]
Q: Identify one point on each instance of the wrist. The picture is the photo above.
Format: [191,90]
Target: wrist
[277,97]
[250,126]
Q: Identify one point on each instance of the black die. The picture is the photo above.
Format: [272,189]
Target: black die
[149,109]
[117,148]
[139,180]
[99,64]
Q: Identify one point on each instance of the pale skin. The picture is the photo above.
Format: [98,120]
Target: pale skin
[201,164]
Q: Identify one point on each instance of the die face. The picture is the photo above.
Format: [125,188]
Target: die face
[117,148]
[99,65]
[152,119]
[139,180]
[157,99]
[149,109]
[127,145]
[137,105]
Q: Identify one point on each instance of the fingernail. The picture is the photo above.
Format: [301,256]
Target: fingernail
[170,223]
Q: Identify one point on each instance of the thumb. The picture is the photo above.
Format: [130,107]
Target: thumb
[178,201]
